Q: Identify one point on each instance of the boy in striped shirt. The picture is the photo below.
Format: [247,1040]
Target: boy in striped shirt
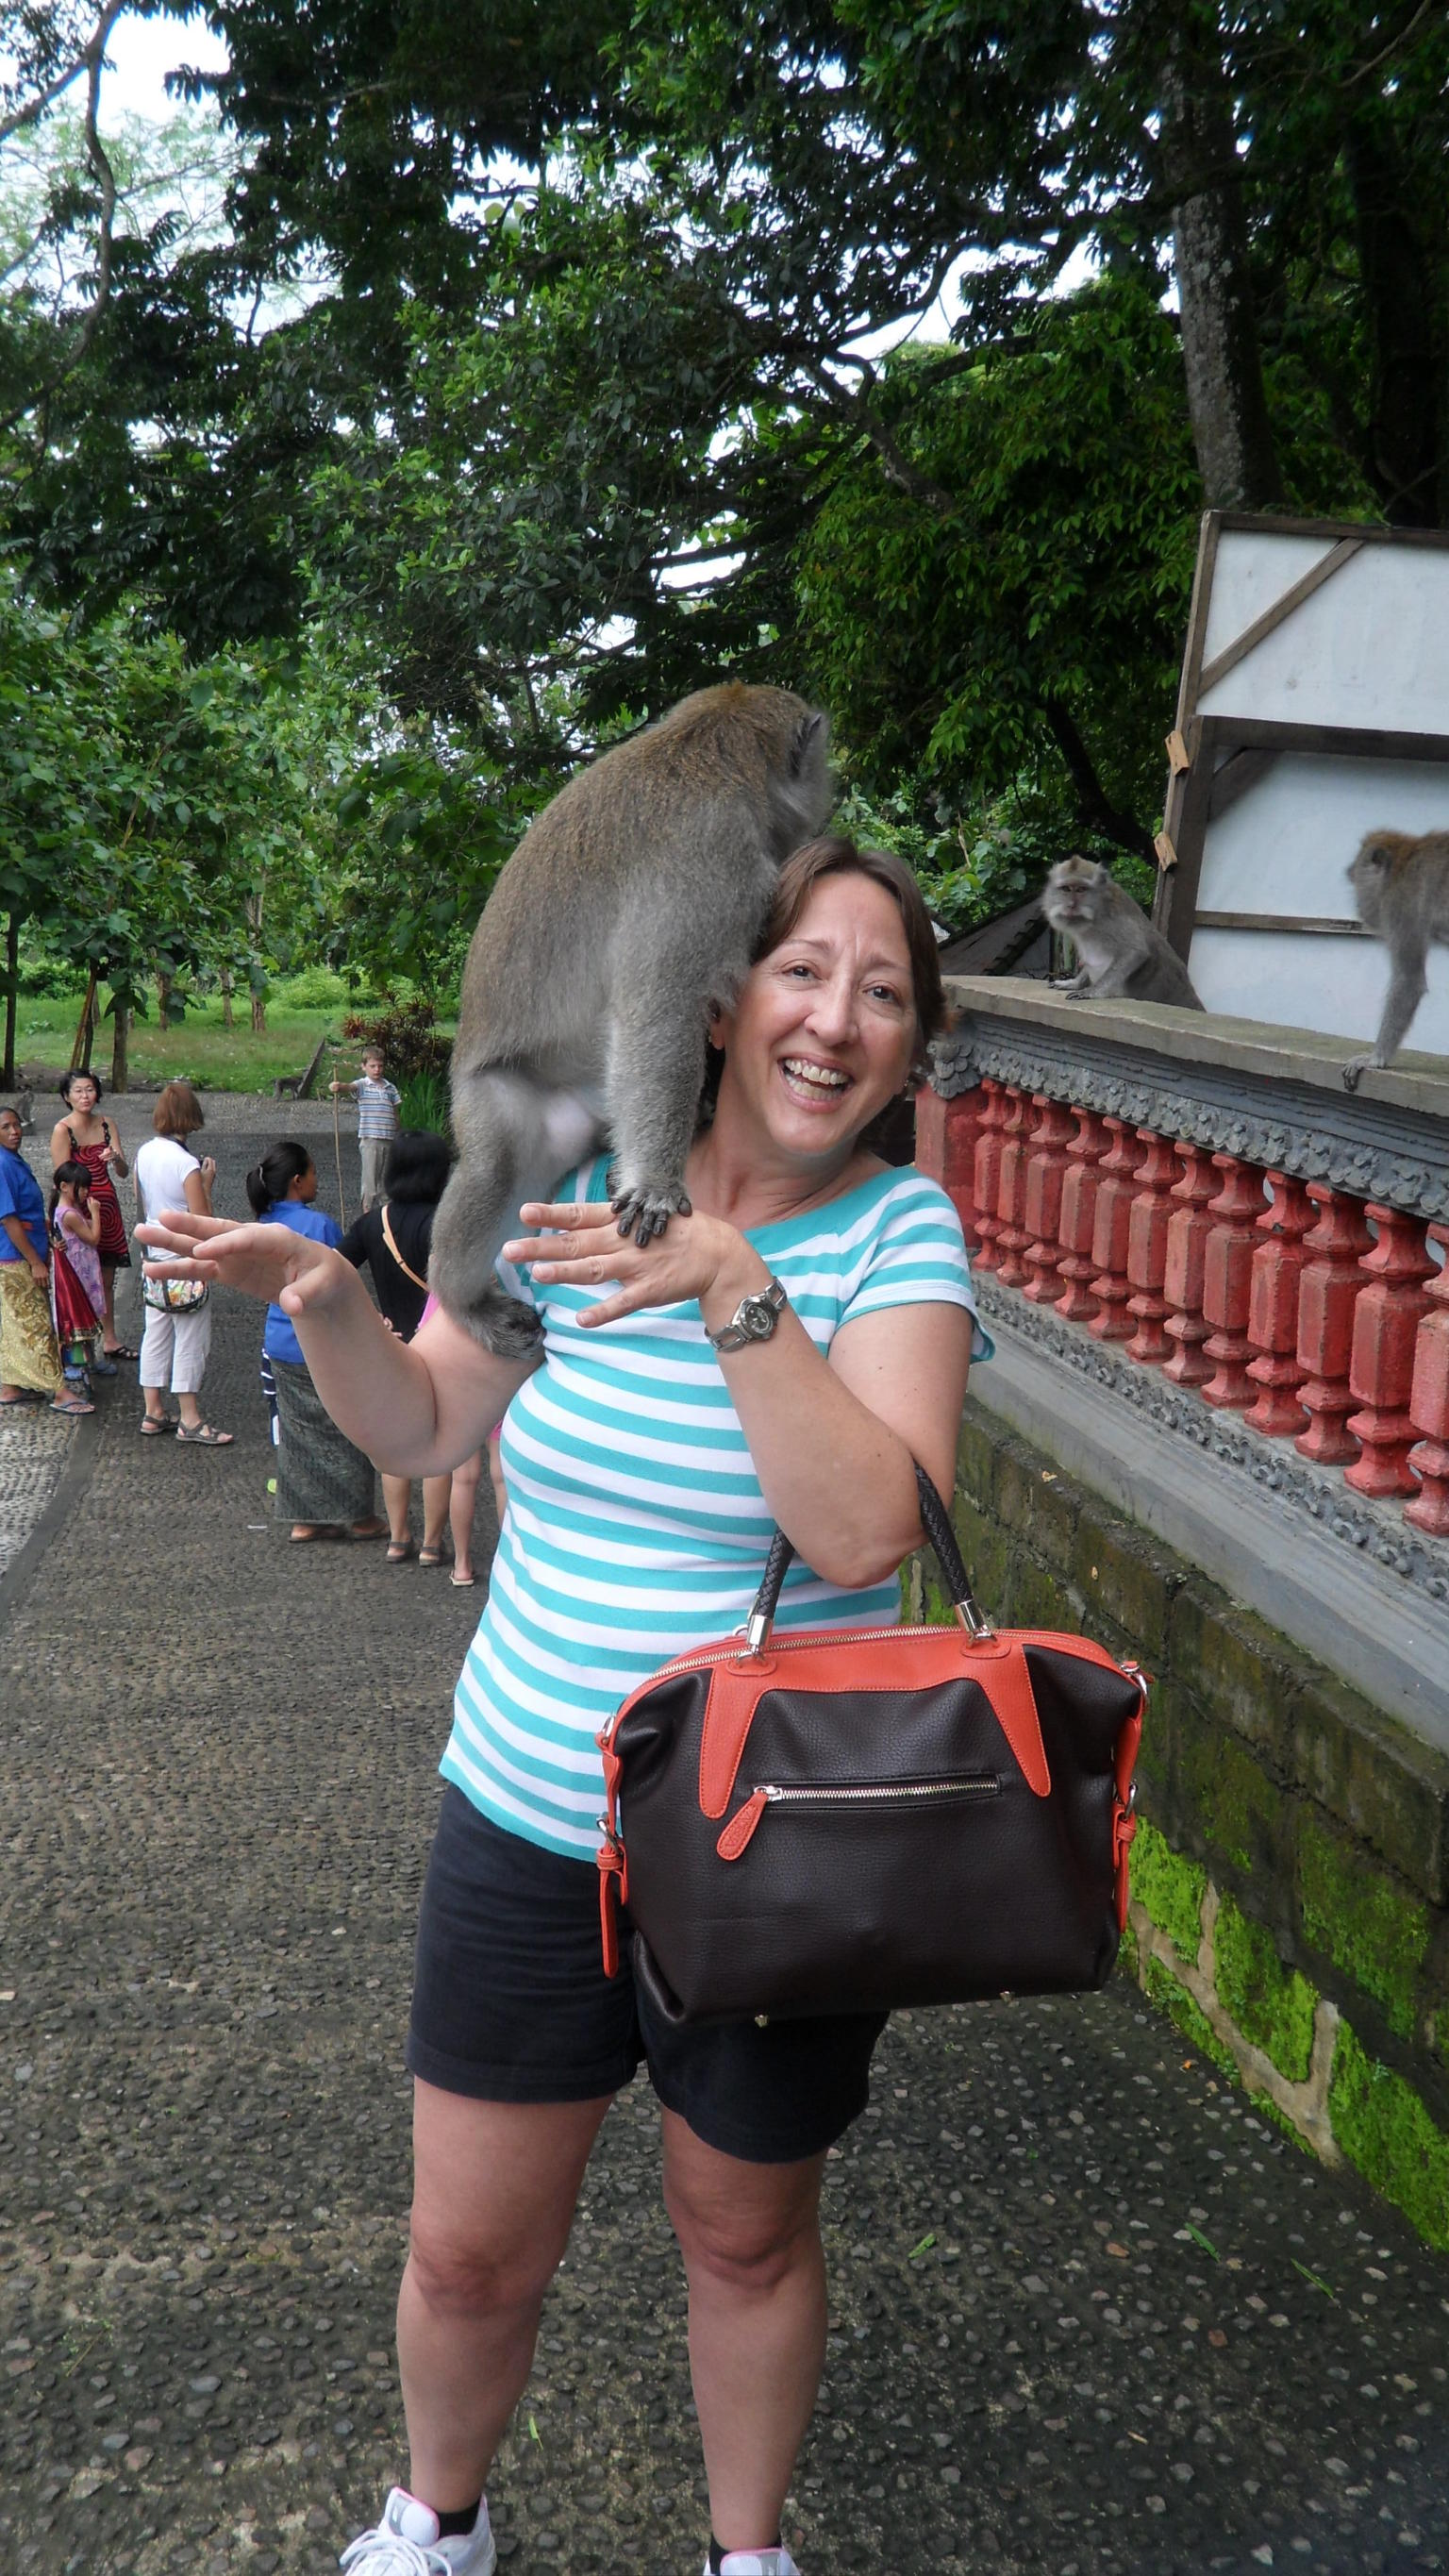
[378,1103]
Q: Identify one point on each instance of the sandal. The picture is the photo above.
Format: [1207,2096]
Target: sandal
[156,1426]
[430,1557]
[203,1437]
[400,1551]
[462,1582]
[69,1404]
[367,1529]
[120,1351]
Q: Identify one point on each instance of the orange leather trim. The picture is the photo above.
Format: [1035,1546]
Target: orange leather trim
[611,1870]
[741,1826]
[837,1660]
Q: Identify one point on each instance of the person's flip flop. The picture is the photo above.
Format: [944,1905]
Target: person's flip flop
[69,1404]
[462,1582]
[203,1437]
[122,1351]
[358,1535]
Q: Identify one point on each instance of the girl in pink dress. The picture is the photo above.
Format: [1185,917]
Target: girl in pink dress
[77,1289]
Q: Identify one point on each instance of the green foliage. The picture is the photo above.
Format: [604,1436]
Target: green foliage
[408,1034]
[425,1103]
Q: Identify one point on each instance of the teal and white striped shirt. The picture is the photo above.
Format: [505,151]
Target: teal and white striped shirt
[635,1524]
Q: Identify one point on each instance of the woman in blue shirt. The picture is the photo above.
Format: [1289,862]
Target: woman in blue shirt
[324,1486]
[29,1360]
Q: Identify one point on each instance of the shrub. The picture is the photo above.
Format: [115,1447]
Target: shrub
[409,1038]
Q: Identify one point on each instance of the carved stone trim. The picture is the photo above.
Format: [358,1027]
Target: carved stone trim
[1368,1148]
[1378,1529]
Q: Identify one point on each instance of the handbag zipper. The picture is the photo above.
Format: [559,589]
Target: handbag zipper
[981,1784]
[739,1832]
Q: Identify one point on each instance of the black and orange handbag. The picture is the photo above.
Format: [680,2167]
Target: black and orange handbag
[847,1820]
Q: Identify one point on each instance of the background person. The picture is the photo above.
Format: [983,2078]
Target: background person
[29,1360]
[378,1102]
[324,1484]
[84,1136]
[176,1344]
[393,1237]
[650,1452]
[77,1296]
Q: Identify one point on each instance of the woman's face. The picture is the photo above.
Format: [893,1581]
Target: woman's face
[10,1130]
[825,1028]
[83,1095]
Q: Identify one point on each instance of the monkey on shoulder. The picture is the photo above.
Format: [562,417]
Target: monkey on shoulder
[631,905]
[1401,886]
[1119,954]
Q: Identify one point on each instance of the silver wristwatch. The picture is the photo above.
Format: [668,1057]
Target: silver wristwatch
[753,1320]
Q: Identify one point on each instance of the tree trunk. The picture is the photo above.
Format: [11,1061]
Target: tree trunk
[80,1053]
[12,997]
[259,1015]
[1404,305]
[1221,355]
[226,1020]
[121,1047]
[163,997]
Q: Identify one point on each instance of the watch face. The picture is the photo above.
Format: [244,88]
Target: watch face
[756,1318]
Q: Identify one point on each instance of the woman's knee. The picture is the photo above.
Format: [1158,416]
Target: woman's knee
[473,2276]
[751,2249]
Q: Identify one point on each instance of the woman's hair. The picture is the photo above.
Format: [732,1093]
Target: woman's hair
[831,856]
[178,1111]
[79,1073]
[417,1167]
[79,1177]
[281,1165]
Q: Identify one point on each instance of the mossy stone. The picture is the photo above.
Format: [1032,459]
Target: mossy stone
[1240,1669]
[1382,2126]
[1171,1888]
[1370,1928]
[1125,1581]
[1173,1999]
[1238,1808]
[1271,2005]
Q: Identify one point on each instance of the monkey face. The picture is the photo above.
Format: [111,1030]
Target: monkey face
[1371,872]
[1073,892]
[824,1032]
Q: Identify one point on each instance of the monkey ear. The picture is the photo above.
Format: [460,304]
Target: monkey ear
[806,733]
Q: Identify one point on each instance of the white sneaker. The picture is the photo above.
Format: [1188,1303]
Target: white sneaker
[406,2543]
[756,2562]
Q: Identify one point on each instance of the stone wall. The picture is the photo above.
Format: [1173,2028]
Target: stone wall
[1291,1872]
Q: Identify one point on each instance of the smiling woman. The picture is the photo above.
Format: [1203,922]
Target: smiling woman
[779,1356]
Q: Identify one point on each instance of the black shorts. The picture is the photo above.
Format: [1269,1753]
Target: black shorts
[511,2004]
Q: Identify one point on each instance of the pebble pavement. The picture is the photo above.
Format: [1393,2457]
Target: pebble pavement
[1090,2316]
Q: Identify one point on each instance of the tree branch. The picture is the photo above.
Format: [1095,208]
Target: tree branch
[88,59]
[1096,805]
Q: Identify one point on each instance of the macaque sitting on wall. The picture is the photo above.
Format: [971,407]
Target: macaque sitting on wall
[631,904]
[1119,954]
[1401,886]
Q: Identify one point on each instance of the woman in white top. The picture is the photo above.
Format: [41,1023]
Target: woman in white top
[172,1181]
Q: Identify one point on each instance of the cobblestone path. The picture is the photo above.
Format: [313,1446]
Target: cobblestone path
[1090,2315]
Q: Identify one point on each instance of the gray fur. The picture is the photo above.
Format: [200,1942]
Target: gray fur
[1401,886]
[1120,957]
[630,905]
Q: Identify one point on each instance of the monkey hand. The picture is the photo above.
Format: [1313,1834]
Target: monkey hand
[1358,1065]
[645,1209]
[579,1248]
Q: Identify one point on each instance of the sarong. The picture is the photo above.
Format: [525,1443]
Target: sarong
[28,1356]
[321,1478]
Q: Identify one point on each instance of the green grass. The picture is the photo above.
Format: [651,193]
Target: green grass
[200,1050]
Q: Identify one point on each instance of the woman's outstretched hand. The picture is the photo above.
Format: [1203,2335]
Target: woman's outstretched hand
[272,1262]
[581,1247]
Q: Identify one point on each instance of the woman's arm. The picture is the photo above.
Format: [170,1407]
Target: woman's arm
[417,1408]
[114,1154]
[198,1191]
[88,1227]
[834,1441]
[60,1144]
[26,1249]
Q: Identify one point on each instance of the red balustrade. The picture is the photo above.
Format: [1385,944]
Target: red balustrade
[1045,1179]
[1079,1200]
[1273,1294]
[1227,1279]
[1329,1290]
[988,1174]
[1188,1229]
[947,1132]
[1381,1367]
[1111,1220]
[1429,1406]
[1147,1223]
[1011,1234]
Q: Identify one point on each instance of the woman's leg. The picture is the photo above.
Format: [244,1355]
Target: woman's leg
[462,1503]
[154,1371]
[436,1490]
[397,1494]
[109,1335]
[750,2237]
[188,1366]
[494,2187]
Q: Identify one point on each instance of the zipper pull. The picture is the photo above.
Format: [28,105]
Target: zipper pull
[741,1826]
